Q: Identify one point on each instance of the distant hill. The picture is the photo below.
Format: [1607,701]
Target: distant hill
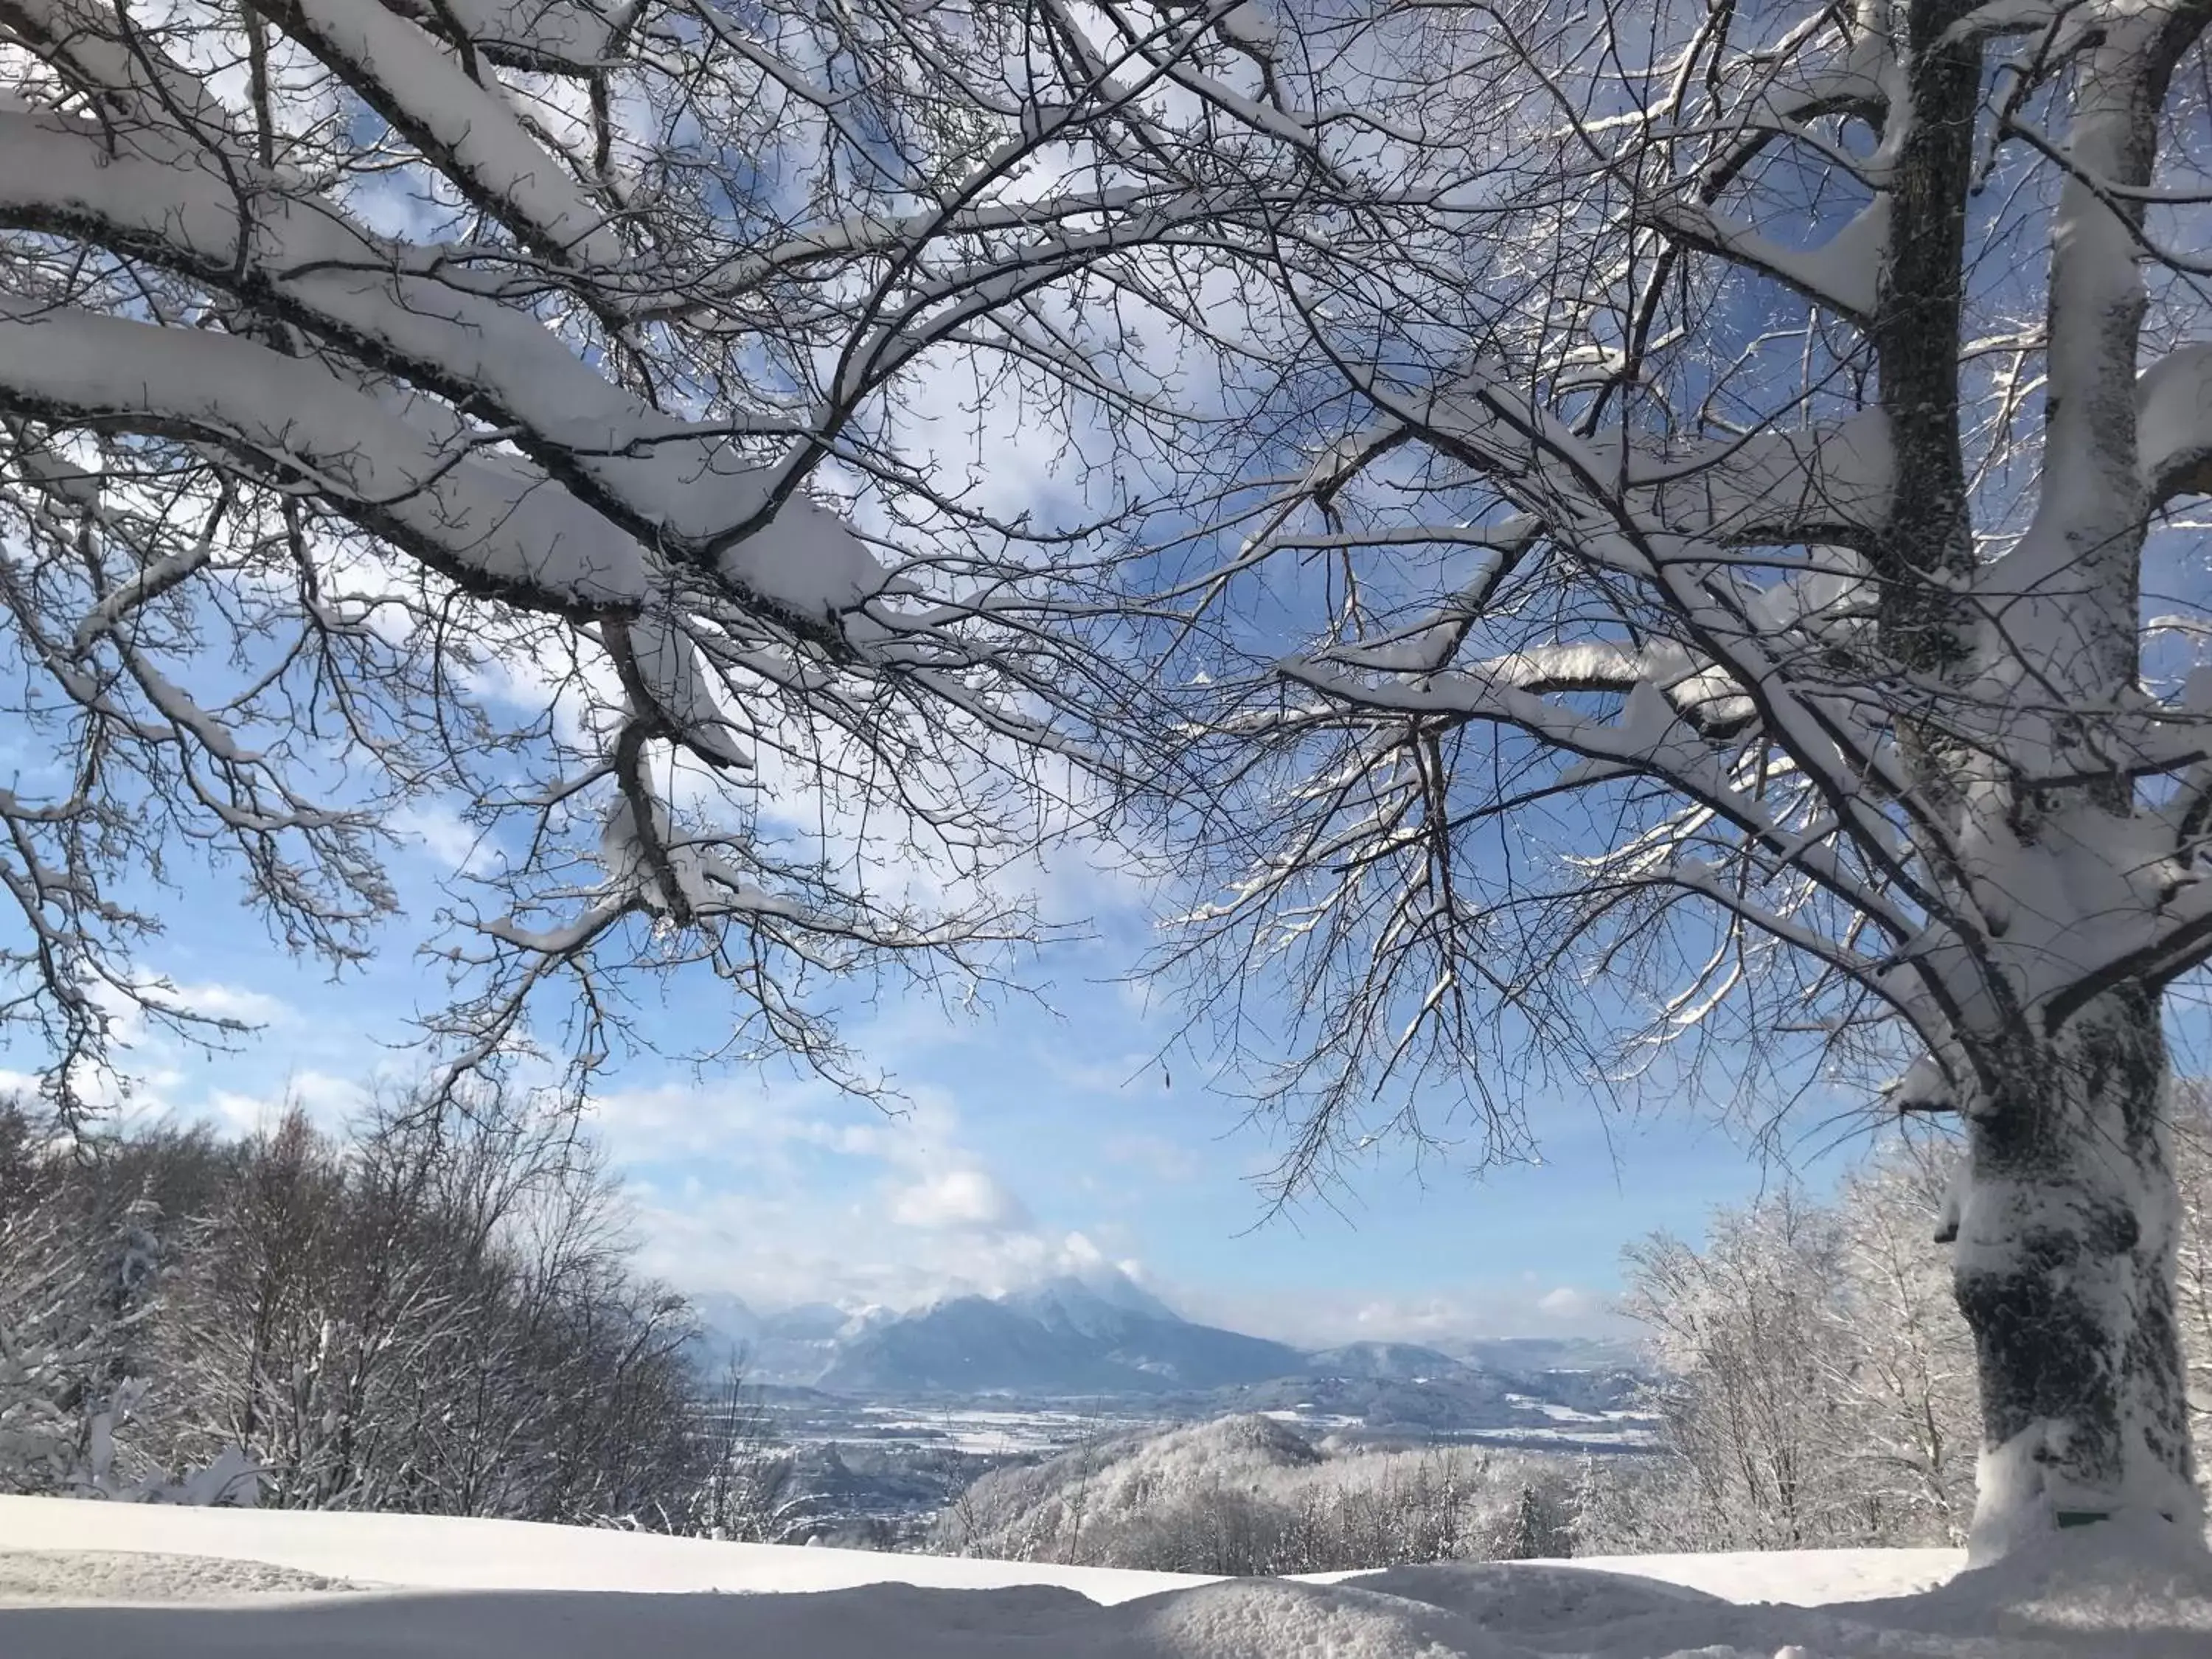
[1249,1494]
[1544,1354]
[1404,1362]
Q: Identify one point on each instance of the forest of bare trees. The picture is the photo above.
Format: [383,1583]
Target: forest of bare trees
[435,1311]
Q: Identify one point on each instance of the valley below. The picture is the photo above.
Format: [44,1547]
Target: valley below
[884,1420]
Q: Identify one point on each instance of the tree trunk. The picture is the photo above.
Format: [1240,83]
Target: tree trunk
[2065,1273]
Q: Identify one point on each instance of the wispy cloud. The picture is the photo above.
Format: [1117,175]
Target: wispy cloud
[1526,1304]
[1155,1156]
[238,1002]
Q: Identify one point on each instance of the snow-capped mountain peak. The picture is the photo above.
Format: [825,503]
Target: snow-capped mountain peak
[1100,1302]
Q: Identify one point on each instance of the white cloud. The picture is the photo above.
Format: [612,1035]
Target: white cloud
[960,1198]
[328,1102]
[754,1124]
[795,1194]
[775,1247]
[672,1120]
[453,843]
[1569,1302]
[239,1002]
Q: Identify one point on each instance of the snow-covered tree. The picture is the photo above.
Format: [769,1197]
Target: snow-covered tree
[1815,1378]
[1538,1530]
[553,421]
[1908,1385]
[1749,1351]
[435,1313]
[1746,605]
[49,1340]
[747,1496]
[89,1403]
[1244,1494]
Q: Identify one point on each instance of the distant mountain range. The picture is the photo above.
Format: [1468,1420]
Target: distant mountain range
[1102,1335]
[1060,1339]
[796,1345]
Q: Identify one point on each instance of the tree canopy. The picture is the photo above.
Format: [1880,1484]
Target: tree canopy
[1595,528]
[535,406]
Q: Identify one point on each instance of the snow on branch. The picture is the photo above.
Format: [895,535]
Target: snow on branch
[493,527]
[1822,482]
[1825,483]
[471,131]
[553,36]
[2173,424]
[472,379]
[1841,274]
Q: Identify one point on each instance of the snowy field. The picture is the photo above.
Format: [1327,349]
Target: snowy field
[977,1430]
[92,1581]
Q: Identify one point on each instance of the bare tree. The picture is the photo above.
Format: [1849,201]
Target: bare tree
[1721,486]
[1749,1354]
[747,1496]
[549,413]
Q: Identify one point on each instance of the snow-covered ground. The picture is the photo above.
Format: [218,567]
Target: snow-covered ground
[435,1553]
[95,1580]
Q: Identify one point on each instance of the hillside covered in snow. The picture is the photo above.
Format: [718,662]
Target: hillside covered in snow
[1250,1495]
[97,1581]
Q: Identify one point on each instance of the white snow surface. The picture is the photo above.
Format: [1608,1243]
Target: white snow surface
[113,1581]
[442,1552]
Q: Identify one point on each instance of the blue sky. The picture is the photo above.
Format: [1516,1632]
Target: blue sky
[1041,1137]
[1032,1140]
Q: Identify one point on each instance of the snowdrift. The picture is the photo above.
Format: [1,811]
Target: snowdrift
[92,1581]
